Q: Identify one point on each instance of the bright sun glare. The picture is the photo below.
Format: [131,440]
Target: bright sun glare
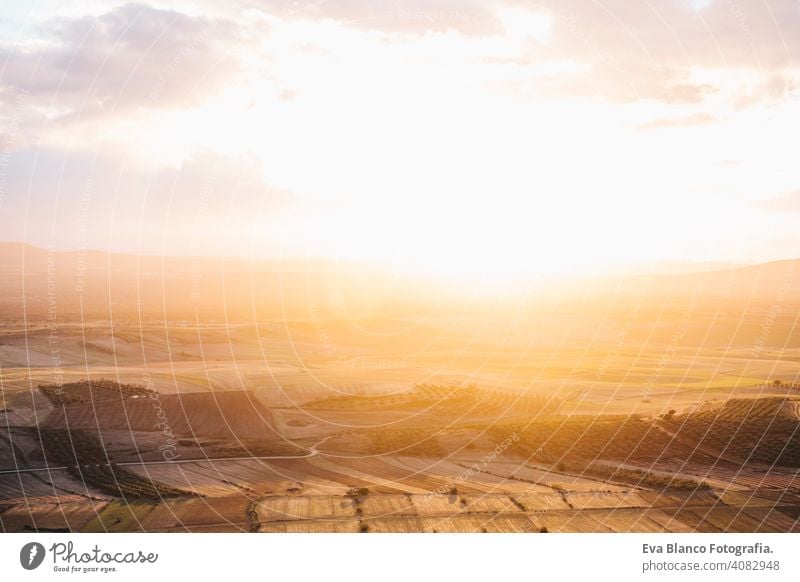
[510,154]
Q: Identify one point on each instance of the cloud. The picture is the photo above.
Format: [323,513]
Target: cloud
[100,200]
[694,120]
[642,50]
[788,202]
[139,56]
[133,56]
[626,82]
[724,33]
[469,17]
[216,182]
[773,89]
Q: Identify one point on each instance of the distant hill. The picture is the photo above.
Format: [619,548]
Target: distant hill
[102,285]
[756,287]
[776,281]
[112,285]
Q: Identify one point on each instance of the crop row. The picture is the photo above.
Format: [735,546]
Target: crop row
[87,460]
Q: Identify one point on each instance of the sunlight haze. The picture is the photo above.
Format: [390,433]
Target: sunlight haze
[501,140]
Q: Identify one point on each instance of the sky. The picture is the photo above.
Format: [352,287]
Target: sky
[460,138]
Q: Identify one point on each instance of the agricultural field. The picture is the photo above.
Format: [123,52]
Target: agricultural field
[553,473]
[538,418]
